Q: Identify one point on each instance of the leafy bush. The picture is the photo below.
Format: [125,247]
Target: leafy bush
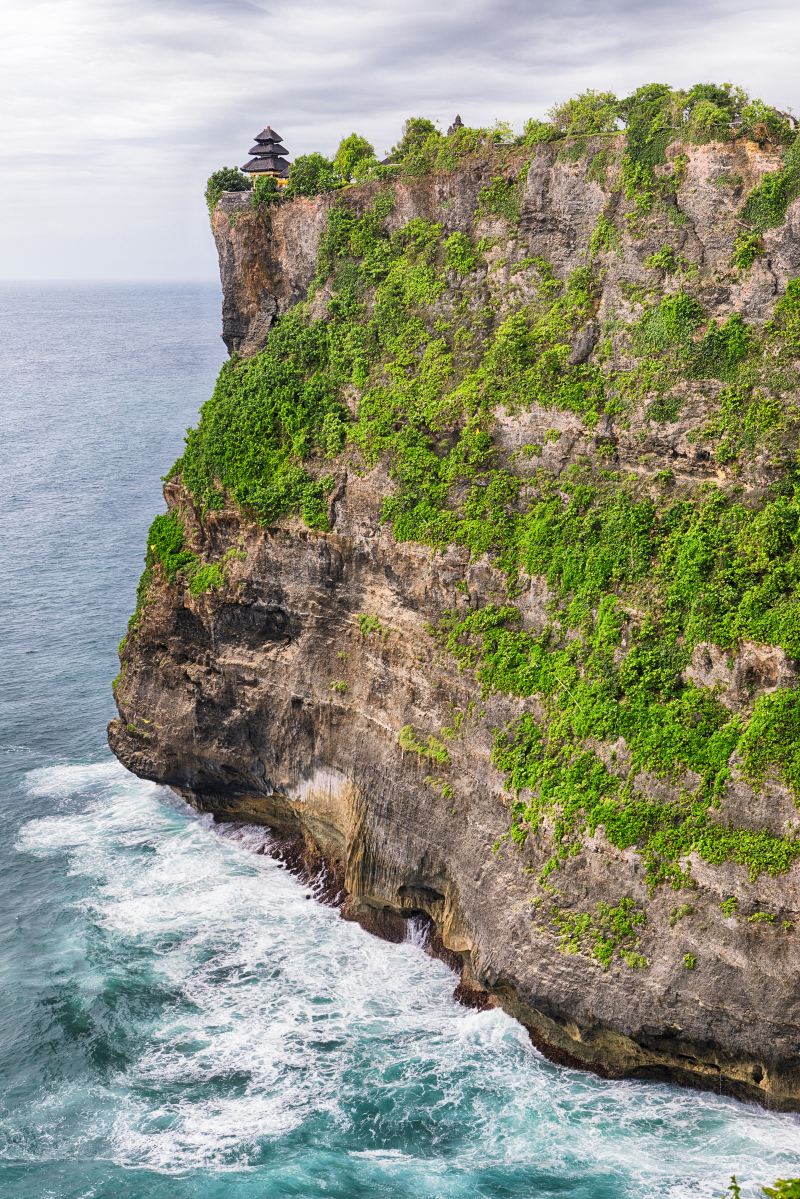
[265,191]
[786,319]
[311,175]
[589,113]
[266,416]
[501,197]
[605,237]
[535,132]
[206,578]
[432,747]
[226,179]
[417,133]
[763,123]
[772,738]
[368,624]
[664,260]
[165,545]
[784,1188]
[767,203]
[460,254]
[671,323]
[746,249]
[708,121]
[354,152]
[602,933]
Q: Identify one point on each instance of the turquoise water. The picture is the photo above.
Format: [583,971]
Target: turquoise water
[178,1016]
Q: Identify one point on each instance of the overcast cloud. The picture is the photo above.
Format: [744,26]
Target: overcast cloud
[114,112]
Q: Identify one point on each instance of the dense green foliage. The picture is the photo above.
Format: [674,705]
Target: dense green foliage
[266,191]
[430,747]
[767,203]
[311,175]
[784,1188]
[165,546]
[602,933]
[226,179]
[644,572]
[354,158]
[423,148]
[266,415]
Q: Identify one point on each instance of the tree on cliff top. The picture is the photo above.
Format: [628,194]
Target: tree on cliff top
[312,174]
[226,179]
[354,156]
[590,112]
[417,131]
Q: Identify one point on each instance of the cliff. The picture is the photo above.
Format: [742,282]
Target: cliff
[479,584]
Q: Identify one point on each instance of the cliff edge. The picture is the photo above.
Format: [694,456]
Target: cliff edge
[478,582]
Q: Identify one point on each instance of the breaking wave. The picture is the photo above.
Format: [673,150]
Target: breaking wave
[209,1029]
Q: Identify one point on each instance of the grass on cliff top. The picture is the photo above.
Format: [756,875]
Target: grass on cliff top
[642,572]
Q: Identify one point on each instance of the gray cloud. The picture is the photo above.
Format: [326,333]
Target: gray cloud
[143,98]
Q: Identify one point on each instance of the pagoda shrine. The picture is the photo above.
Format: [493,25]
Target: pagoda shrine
[268,156]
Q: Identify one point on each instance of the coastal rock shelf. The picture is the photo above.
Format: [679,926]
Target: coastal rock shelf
[435,709]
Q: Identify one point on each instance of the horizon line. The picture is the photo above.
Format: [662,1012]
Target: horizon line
[98,279]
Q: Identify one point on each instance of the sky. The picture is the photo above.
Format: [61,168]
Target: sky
[114,112]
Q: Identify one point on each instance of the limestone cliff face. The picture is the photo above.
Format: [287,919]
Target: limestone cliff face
[267,700]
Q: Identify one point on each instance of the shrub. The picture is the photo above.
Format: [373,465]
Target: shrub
[417,131]
[664,260]
[535,132]
[603,932]
[786,318]
[784,1188]
[772,738]
[352,152]
[501,197]
[206,578]
[368,624]
[671,323]
[266,416]
[763,123]
[312,175]
[226,179]
[432,747]
[589,113]
[460,254]
[265,191]
[605,237]
[165,544]
[708,121]
[689,961]
[723,348]
[767,203]
[746,249]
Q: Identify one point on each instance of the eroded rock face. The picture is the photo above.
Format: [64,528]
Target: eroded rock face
[228,698]
[266,700]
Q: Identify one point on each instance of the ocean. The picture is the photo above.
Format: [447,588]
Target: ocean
[179,1017]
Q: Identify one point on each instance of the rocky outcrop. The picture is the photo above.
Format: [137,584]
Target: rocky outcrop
[268,700]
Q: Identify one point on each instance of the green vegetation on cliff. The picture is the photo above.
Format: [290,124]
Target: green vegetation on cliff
[647,572]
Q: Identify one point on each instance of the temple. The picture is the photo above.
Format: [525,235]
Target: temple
[268,156]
